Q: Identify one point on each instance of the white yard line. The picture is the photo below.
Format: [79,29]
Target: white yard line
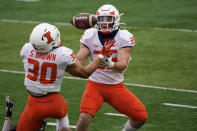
[159,87]
[178,105]
[130,84]
[31,22]
[122,115]
[55,124]
[60,23]
[28,0]
[115,114]
[73,126]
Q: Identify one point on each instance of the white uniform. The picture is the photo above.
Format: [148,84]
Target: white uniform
[91,40]
[44,72]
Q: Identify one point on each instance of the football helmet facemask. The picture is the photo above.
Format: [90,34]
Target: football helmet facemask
[45,37]
[108,18]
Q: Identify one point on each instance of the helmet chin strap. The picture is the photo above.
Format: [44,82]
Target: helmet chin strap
[106,31]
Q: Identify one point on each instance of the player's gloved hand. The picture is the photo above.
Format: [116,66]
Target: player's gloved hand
[9,106]
[107,62]
[106,49]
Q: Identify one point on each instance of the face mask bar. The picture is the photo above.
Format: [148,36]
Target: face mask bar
[106,23]
[112,25]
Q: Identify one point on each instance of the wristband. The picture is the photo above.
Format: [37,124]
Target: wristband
[101,56]
[111,64]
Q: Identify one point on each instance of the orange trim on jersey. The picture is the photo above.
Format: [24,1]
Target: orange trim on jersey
[96,52]
[110,51]
[73,57]
[132,40]
[61,44]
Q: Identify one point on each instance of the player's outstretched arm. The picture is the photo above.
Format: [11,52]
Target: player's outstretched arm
[77,68]
[82,54]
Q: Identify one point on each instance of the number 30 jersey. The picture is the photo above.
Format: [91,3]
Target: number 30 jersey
[94,41]
[45,71]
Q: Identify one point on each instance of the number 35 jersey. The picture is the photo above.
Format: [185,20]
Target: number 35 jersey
[46,70]
[94,41]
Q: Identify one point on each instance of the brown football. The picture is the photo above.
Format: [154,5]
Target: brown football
[83,21]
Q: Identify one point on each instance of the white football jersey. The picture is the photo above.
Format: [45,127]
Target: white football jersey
[46,71]
[93,40]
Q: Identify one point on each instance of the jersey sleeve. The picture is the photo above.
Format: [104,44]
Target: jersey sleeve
[128,39]
[24,50]
[85,38]
[68,56]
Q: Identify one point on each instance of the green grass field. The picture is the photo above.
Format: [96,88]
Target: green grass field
[162,58]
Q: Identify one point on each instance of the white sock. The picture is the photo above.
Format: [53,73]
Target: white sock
[128,127]
[7,125]
[63,122]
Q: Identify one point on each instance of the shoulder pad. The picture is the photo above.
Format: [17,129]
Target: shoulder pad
[67,55]
[125,35]
[26,47]
[65,51]
[88,33]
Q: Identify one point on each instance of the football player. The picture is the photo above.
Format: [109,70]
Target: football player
[45,63]
[106,83]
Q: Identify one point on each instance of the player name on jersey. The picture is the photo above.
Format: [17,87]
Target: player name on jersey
[45,56]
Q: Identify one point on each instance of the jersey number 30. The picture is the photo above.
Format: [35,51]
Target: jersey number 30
[43,72]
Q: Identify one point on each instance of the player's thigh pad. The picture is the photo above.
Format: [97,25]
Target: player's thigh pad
[127,103]
[55,104]
[39,108]
[91,101]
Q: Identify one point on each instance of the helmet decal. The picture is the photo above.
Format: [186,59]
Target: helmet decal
[48,36]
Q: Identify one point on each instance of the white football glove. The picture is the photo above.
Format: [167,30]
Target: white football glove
[107,62]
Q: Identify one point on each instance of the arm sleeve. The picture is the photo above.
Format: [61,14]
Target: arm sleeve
[23,51]
[85,38]
[128,39]
[69,57]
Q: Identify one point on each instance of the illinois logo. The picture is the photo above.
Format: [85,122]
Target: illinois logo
[48,36]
